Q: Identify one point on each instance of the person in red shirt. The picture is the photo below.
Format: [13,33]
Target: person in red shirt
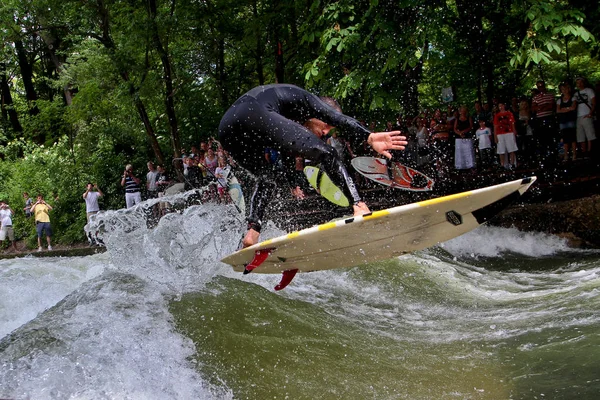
[504,134]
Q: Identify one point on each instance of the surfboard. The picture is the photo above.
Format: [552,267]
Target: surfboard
[395,175]
[377,236]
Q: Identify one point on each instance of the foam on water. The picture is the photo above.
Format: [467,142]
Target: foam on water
[489,241]
[30,285]
[112,338]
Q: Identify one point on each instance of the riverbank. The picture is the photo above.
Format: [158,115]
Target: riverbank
[58,250]
[576,220]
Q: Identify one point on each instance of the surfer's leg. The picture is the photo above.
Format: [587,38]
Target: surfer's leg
[337,172]
[296,139]
[263,193]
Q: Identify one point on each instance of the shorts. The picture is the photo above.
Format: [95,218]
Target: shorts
[7,231]
[40,227]
[507,143]
[585,129]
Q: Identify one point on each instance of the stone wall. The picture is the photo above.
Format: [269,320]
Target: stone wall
[577,220]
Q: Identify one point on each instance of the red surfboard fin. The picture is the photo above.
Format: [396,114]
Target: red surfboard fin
[286,278]
[259,257]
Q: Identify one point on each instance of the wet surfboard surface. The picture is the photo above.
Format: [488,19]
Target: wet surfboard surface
[380,235]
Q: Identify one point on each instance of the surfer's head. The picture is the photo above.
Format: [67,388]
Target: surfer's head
[319,127]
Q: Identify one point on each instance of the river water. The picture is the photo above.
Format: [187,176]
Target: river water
[493,314]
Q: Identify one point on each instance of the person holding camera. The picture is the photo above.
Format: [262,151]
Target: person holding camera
[6,221]
[40,210]
[131,184]
[91,195]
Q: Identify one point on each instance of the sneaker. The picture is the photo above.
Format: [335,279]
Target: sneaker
[40,248]
[49,247]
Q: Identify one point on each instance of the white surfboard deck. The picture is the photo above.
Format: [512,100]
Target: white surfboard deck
[404,177]
[383,234]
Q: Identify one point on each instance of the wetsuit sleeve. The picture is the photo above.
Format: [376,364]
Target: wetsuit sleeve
[317,108]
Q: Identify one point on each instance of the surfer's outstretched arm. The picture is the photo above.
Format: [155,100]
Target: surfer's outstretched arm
[382,142]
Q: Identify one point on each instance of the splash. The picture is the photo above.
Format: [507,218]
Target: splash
[180,251]
[489,241]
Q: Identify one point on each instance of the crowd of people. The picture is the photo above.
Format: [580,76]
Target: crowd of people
[537,131]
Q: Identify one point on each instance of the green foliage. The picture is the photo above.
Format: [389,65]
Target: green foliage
[551,25]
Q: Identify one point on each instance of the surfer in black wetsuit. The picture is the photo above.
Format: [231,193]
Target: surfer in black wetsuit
[291,120]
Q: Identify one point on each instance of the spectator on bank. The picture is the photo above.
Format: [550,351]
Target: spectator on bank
[488,115]
[151,180]
[484,140]
[41,210]
[211,161]
[566,110]
[131,183]
[6,228]
[221,173]
[504,134]
[478,114]
[525,139]
[162,180]
[464,154]
[91,195]
[586,105]
[544,130]
[28,203]
[194,174]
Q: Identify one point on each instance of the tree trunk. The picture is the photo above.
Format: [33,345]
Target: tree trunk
[168,81]
[108,42]
[51,44]
[27,75]
[8,111]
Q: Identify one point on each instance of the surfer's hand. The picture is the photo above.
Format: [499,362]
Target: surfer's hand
[381,142]
[298,193]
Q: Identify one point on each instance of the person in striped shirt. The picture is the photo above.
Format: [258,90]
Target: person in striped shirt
[545,130]
[132,187]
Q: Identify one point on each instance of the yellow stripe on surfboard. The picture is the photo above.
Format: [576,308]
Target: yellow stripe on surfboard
[437,200]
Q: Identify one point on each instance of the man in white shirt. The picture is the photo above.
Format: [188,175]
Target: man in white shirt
[151,181]
[91,195]
[586,104]
[6,221]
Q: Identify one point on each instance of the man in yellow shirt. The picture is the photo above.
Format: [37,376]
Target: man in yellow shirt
[40,210]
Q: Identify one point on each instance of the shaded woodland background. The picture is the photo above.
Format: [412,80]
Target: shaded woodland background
[88,86]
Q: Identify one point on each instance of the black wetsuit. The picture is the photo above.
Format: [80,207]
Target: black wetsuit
[271,116]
